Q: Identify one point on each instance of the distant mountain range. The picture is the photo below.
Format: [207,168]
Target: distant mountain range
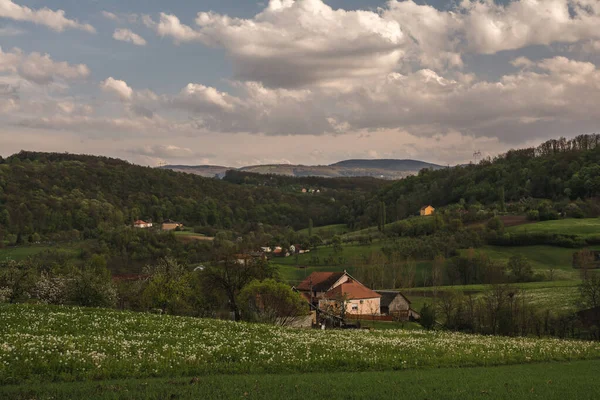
[384,169]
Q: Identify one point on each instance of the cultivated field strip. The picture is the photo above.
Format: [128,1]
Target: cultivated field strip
[66,343]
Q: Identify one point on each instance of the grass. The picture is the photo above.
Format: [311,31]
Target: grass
[574,380]
[571,226]
[327,231]
[21,252]
[550,295]
[46,343]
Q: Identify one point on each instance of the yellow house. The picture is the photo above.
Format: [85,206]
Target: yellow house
[427,210]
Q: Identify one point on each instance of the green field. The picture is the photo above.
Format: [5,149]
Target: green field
[571,226]
[46,343]
[21,253]
[570,380]
[327,231]
[542,258]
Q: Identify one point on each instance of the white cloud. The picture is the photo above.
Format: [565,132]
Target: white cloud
[111,16]
[306,43]
[8,31]
[166,151]
[126,35]
[298,43]
[40,68]
[170,25]
[490,27]
[54,20]
[118,87]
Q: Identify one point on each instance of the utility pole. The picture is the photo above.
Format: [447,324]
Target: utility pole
[477,156]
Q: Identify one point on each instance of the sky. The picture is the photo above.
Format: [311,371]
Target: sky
[243,82]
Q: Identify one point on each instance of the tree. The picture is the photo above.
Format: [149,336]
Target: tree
[310,227]
[168,287]
[495,224]
[502,196]
[520,268]
[336,241]
[428,317]
[92,287]
[227,274]
[315,241]
[589,291]
[271,302]
[437,273]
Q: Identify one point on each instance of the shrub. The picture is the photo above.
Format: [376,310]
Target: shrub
[533,215]
[271,302]
[51,290]
[92,287]
[428,317]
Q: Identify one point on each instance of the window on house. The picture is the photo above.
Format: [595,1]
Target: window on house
[354,307]
[362,301]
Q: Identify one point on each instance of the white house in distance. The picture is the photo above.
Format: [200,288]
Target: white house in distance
[142,224]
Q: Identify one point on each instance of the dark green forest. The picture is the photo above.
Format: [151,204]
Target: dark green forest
[47,193]
[556,170]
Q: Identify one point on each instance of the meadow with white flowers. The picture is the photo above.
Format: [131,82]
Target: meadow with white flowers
[57,343]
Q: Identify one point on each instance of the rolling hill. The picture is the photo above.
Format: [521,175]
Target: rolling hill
[386,169]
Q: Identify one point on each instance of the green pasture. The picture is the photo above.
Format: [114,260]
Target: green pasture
[570,226]
[327,231]
[21,252]
[562,381]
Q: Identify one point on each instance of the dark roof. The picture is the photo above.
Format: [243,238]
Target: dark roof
[320,281]
[388,296]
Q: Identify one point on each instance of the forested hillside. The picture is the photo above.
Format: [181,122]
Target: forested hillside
[50,192]
[557,169]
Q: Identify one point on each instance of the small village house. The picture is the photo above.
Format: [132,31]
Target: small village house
[325,290]
[427,210]
[170,225]
[142,224]
[317,284]
[357,298]
[396,305]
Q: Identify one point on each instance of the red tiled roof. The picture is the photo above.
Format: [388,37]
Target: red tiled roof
[320,281]
[353,290]
[139,222]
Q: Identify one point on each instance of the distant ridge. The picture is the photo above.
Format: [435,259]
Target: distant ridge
[380,168]
[392,164]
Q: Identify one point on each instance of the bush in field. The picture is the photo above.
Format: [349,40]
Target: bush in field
[271,302]
[51,289]
[520,268]
[92,286]
[17,281]
[533,215]
[495,224]
[168,287]
[428,316]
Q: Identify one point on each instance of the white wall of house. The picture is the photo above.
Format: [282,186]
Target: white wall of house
[356,306]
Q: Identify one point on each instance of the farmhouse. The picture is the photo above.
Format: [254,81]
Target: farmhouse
[358,299]
[142,224]
[317,284]
[327,290]
[427,210]
[170,225]
[396,305]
